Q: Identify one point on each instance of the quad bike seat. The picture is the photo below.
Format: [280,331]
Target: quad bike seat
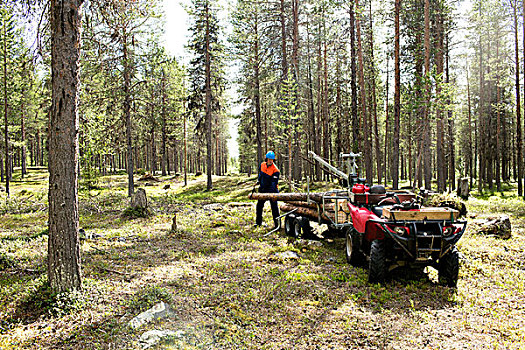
[378,210]
[377,189]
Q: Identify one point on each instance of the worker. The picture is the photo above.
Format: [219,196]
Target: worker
[268,180]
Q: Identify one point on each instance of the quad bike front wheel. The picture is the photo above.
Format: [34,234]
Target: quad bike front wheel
[378,266]
[449,268]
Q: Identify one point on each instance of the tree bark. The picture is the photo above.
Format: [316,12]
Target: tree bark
[374,102]
[387,118]
[498,122]
[127,112]
[427,160]
[63,267]
[163,148]
[364,118]
[209,145]
[257,92]
[397,98]
[520,158]
[440,142]
[353,84]
[6,125]
[519,145]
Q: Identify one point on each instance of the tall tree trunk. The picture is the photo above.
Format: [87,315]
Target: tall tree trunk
[63,266]
[257,92]
[356,142]
[374,102]
[320,123]
[470,145]
[23,135]
[520,157]
[366,143]
[440,142]
[284,62]
[326,113]
[452,151]
[163,147]
[498,121]
[481,124]
[311,108]
[427,159]
[127,112]
[295,65]
[519,146]
[209,145]
[397,98]
[387,118]
[6,125]
[185,136]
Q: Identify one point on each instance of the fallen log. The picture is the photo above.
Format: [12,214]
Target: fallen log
[496,226]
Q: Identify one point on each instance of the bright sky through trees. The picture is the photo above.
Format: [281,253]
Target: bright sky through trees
[175,38]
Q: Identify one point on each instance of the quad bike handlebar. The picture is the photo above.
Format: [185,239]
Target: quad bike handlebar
[389,195]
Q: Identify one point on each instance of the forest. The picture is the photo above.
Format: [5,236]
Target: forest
[127,213]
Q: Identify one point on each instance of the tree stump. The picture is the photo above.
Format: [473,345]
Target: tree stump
[139,200]
[496,226]
[174,222]
[463,188]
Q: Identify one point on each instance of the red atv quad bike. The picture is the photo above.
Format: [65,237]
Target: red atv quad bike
[392,228]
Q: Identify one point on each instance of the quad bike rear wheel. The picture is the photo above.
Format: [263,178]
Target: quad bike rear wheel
[378,266]
[353,253]
[449,268]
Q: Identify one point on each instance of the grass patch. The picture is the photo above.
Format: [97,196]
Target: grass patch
[228,290]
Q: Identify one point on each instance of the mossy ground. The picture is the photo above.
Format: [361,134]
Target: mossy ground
[227,288]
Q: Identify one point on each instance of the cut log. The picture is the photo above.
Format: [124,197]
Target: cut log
[327,217]
[287,197]
[307,212]
[311,205]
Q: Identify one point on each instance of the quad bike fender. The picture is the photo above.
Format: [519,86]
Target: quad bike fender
[362,220]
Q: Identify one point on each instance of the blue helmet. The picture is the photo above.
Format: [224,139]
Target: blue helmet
[270,155]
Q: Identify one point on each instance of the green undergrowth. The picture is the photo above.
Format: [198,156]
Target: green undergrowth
[231,287]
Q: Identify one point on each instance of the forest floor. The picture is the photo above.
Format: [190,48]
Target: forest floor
[229,289]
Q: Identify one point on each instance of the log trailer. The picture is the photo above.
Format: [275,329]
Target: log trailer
[383,229]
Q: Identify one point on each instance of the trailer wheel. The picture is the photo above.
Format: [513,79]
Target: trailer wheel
[302,227]
[449,268]
[353,253]
[289,223]
[297,228]
[378,266]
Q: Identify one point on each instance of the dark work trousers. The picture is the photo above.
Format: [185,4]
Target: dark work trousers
[259,211]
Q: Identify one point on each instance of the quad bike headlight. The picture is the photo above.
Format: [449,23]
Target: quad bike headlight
[401,231]
[449,230]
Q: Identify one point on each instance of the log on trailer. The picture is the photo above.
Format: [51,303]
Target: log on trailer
[313,214]
[311,205]
[287,197]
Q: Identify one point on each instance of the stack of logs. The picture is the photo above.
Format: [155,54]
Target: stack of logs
[308,205]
